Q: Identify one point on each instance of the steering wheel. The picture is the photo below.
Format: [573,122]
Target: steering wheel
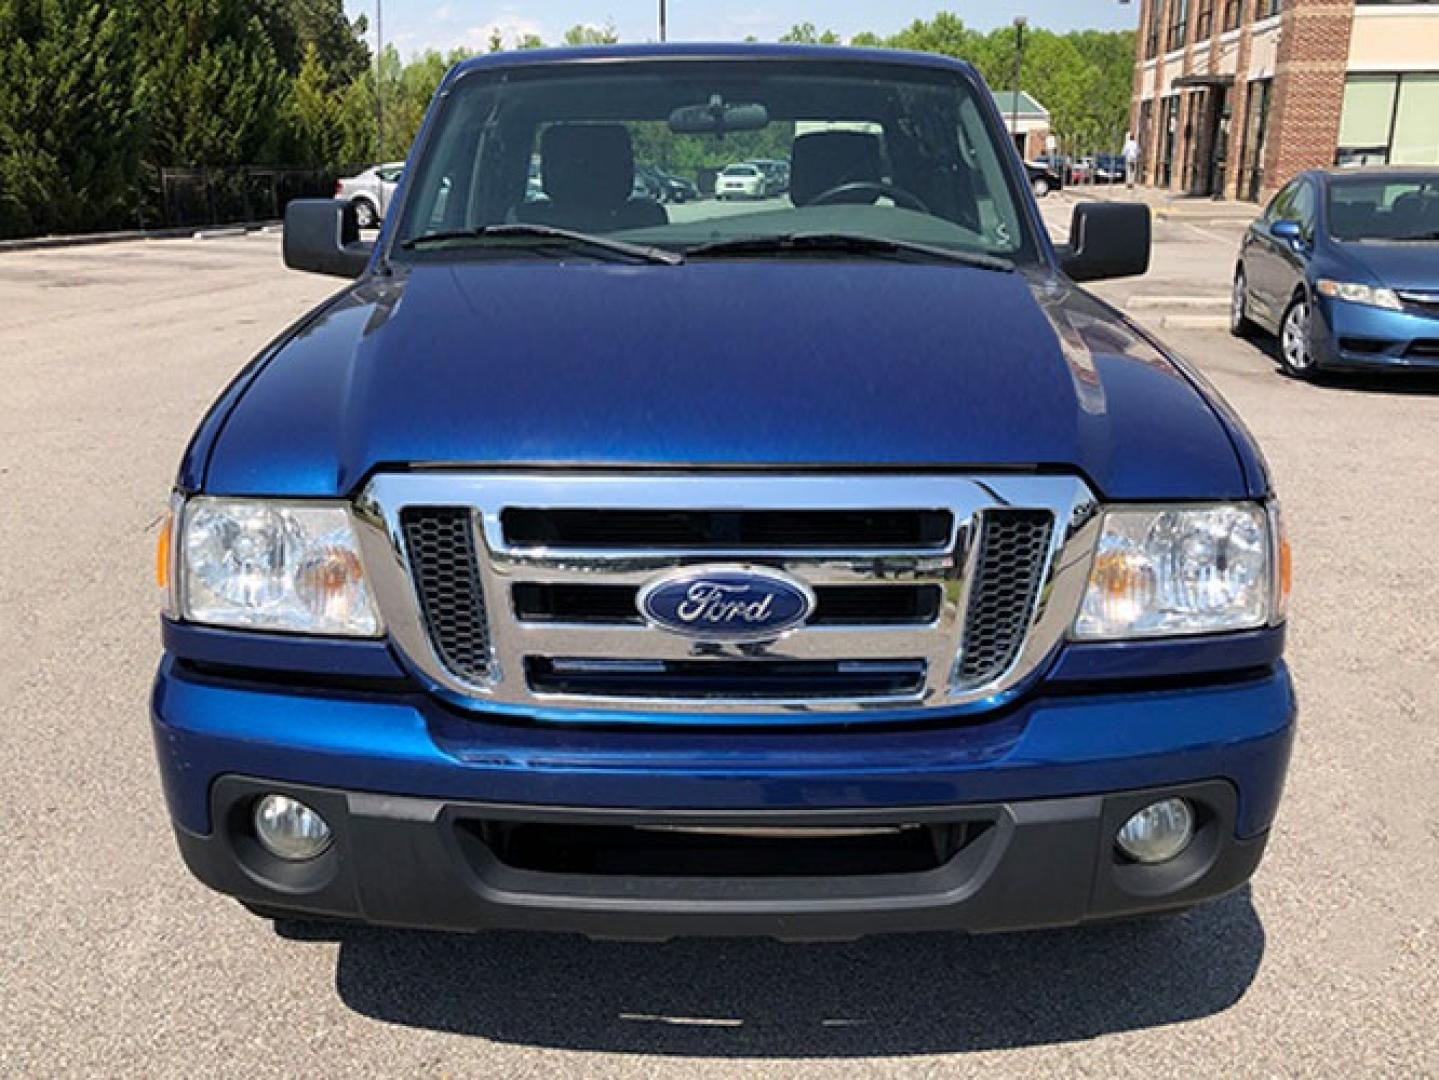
[902,198]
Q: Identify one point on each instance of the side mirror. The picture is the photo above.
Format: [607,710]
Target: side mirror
[1107,240]
[1289,231]
[322,236]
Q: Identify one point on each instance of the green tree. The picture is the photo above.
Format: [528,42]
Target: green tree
[71,123]
[215,89]
[316,118]
[293,26]
[589,34]
[807,34]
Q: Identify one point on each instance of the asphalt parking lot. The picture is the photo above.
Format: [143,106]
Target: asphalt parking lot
[114,962]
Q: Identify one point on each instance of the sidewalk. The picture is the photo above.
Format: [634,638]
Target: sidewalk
[1168,204]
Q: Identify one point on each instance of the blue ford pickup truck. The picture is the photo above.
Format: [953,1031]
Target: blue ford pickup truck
[813,566]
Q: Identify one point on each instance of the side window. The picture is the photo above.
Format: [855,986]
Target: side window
[389,176]
[1281,204]
[1302,209]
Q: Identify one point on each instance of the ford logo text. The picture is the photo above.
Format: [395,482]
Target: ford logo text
[727,603]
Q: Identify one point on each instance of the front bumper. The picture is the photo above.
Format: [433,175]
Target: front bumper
[1042,785]
[427,863]
[1357,337]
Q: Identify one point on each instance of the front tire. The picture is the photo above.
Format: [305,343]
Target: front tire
[1041,187]
[1295,355]
[1240,325]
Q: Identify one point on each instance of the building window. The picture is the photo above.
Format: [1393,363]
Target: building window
[1204,20]
[1155,30]
[1145,135]
[1267,9]
[1178,26]
[1256,131]
[1389,120]
[1169,137]
[1233,12]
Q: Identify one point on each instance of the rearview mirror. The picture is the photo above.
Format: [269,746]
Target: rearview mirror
[717,118]
[322,236]
[1107,240]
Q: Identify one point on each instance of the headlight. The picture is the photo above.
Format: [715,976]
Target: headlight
[1166,571]
[1372,295]
[261,565]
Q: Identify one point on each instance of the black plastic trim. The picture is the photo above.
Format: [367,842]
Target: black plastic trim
[420,863]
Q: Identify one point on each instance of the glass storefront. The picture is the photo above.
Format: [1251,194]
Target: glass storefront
[1256,131]
[1390,120]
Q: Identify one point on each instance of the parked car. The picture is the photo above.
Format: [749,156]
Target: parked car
[776,175]
[1344,267]
[836,569]
[1067,169]
[1109,168]
[1042,179]
[741,181]
[647,185]
[669,188]
[370,192]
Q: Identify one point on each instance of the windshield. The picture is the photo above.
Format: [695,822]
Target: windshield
[894,152]
[1384,208]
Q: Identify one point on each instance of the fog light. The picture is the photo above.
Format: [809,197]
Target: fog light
[1157,833]
[289,829]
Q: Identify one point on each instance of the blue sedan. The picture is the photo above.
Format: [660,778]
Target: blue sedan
[1344,267]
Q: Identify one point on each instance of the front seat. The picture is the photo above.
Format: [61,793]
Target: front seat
[589,175]
[827,159]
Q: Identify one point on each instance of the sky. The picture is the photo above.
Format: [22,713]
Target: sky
[415,25]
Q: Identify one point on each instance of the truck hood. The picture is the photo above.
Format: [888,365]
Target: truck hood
[780,363]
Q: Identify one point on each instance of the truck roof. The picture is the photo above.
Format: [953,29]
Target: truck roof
[708,51]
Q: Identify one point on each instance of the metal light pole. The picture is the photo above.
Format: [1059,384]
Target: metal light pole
[379,80]
[1020,22]
[664,21]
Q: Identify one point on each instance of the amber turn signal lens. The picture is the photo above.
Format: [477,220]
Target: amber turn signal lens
[1286,574]
[162,552]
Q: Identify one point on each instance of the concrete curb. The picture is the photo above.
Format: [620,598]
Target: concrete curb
[1188,322]
[42,243]
[38,243]
[1150,303]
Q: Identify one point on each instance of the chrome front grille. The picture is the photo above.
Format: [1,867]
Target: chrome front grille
[518,590]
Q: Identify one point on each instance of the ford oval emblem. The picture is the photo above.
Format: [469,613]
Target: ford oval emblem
[727,603]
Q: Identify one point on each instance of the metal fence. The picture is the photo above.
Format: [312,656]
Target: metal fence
[244,193]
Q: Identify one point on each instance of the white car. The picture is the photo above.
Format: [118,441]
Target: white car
[741,182]
[371,191]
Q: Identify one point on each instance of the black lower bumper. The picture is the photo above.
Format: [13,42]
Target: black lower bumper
[441,865]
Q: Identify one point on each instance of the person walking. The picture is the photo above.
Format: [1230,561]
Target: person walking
[1130,153]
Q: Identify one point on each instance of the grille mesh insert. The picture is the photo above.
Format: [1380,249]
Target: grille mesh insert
[441,545]
[1012,557]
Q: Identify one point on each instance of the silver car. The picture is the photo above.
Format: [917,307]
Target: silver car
[371,191]
[741,182]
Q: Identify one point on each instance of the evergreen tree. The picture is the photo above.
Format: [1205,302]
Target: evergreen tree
[215,90]
[71,127]
[316,126]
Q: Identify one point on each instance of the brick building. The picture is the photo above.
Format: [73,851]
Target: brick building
[1233,97]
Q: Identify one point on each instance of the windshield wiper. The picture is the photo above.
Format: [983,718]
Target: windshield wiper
[1417,238]
[844,243]
[544,237]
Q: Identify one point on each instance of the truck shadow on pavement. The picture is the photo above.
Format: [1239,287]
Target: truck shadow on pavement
[902,995]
